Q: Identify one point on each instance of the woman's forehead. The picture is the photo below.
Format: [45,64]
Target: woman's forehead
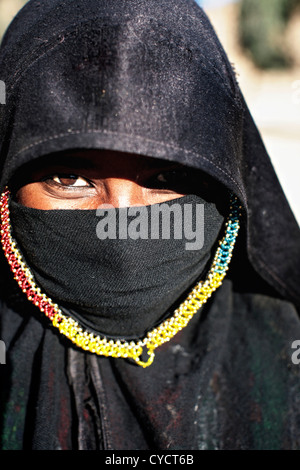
[92,163]
[97,159]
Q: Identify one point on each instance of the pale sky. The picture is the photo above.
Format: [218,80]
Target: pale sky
[214,3]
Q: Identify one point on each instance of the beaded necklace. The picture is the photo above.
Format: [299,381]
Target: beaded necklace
[120,348]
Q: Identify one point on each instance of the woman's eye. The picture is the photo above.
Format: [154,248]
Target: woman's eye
[170,178]
[73,181]
[162,178]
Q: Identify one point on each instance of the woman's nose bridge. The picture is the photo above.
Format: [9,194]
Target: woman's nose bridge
[122,191]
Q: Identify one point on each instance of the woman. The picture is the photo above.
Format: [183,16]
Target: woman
[138,342]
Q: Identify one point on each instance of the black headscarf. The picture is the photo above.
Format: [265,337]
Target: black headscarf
[151,78]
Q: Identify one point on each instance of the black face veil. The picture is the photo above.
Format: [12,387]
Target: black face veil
[150,78]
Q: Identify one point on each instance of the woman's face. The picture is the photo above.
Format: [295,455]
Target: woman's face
[87,179]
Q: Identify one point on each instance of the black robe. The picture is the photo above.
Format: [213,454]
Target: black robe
[150,78]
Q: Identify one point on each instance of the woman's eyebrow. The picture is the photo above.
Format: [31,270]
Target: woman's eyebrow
[78,162]
[72,161]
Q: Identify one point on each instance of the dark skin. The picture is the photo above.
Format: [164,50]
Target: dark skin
[86,179]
